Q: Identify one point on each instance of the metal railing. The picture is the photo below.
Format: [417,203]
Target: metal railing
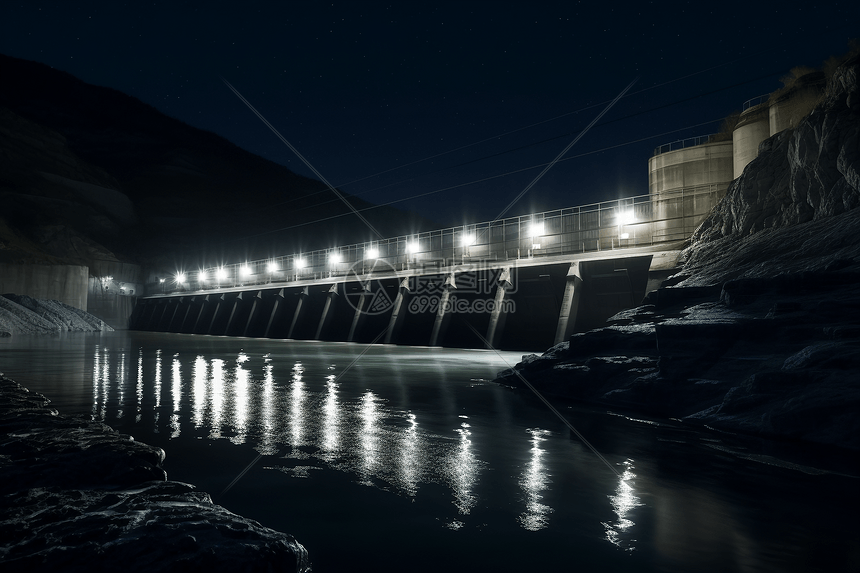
[622,223]
[683,143]
[754,102]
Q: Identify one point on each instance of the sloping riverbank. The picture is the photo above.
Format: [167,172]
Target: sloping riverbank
[760,331]
[78,496]
[26,315]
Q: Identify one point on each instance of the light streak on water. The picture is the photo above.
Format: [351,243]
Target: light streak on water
[296,411]
[120,375]
[623,502]
[139,385]
[241,398]
[330,431]
[101,382]
[533,481]
[369,437]
[266,418]
[216,397]
[176,392]
[158,378]
[96,370]
[410,457]
[198,390]
[463,472]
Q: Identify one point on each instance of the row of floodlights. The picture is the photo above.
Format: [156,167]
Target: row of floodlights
[466,240]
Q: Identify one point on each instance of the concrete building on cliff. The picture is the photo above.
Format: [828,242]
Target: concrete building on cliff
[700,169]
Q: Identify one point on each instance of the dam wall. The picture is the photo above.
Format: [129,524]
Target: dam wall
[65,283]
[526,307]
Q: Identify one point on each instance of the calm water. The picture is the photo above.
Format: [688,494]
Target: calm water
[408,459]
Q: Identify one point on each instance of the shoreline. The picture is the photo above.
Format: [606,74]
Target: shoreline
[79,496]
[759,346]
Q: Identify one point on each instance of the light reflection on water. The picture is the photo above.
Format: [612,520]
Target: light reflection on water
[176,393]
[382,448]
[330,431]
[397,423]
[216,400]
[139,386]
[241,396]
[623,503]
[533,481]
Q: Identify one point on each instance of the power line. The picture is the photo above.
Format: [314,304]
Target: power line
[534,144]
[498,176]
[506,133]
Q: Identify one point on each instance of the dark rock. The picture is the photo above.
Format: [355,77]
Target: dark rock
[759,331]
[76,495]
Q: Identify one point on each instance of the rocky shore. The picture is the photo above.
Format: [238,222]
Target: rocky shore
[760,330]
[78,496]
[26,315]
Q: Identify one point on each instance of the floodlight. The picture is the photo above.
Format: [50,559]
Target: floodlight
[626,218]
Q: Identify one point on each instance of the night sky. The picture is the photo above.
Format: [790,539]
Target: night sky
[446,108]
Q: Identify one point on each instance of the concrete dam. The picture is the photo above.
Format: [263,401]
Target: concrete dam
[524,282]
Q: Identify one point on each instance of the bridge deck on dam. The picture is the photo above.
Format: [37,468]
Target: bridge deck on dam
[520,283]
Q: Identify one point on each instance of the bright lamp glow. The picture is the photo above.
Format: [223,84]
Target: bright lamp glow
[221,274]
[272,267]
[334,258]
[300,263]
[467,240]
[626,218]
[371,254]
[411,248]
[201,276]
[536,229]
[245,271]
[181,278]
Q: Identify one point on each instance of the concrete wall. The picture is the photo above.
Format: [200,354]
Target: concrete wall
[690,167]
[65,283]
[113,300]
[126,278]
[684,185]
[752,129]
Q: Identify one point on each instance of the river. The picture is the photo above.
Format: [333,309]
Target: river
[385,458]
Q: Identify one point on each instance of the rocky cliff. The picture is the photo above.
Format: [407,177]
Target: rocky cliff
[760,331]
[78,496]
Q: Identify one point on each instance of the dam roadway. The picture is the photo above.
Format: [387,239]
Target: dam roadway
[525,282]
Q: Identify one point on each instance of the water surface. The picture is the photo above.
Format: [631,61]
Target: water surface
[401,458]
